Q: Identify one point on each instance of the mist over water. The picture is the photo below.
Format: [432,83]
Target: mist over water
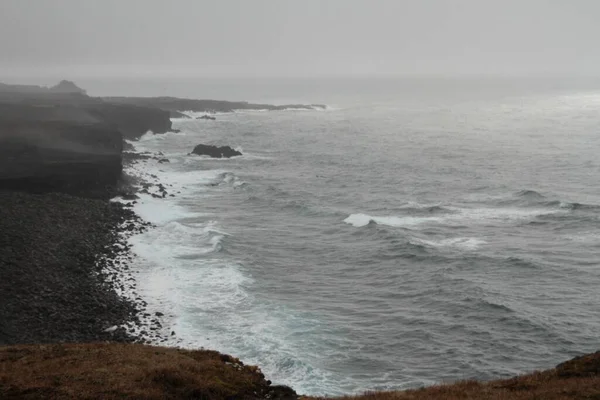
[415,232]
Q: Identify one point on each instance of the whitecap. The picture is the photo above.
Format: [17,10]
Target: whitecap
[459,216]
[462,243]
[359,220]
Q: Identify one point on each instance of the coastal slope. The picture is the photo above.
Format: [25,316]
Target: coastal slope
[116,371]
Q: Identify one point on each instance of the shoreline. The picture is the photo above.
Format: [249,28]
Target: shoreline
[67,279]
[149,326]
[57,292]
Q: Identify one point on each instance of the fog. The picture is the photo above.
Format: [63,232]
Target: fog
[298,38]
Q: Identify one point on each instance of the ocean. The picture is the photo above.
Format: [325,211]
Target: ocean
[415,232]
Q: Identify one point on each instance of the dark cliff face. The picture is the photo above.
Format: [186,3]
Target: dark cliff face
[68,142]
[58,156]
[133,121]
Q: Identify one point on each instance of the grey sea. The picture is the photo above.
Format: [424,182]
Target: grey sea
[416,231]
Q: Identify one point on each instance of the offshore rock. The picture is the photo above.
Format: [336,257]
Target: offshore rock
[215,151]
[207,117]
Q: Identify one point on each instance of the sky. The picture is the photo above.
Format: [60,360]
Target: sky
[299,38]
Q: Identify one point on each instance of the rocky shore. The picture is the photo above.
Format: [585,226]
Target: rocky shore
[54,249]
[64,257]
[63,245]
[71,323]
[63,250]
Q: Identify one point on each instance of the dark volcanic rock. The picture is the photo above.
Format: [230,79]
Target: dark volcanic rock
[132,121]
[55,156]
[51,249]
[207,117]
[215,151]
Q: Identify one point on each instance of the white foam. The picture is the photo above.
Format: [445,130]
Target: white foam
[151,136]
[161,211]
[196,114]
[460,215]
[359,220]
[462,243]
[585,237]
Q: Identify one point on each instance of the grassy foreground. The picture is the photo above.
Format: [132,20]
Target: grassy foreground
[131,371]
[128,371]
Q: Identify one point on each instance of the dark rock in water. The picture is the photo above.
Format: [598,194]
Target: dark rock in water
[207,117]
[163,160]
[129,196]
[215,151]
[175,130]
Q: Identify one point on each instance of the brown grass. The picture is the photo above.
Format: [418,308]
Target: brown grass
[126,371]
[130,371]
[576,379]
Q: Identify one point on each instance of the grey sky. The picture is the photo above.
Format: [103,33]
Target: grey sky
[307,37]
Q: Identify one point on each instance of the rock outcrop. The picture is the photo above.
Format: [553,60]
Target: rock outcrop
[207,117]
[67,87]
[215,151]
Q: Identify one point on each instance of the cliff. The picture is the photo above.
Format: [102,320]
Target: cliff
[131,120]
[66,102]
[57,156]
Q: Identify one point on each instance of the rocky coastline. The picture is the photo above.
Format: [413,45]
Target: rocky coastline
[71,323]
[64,256]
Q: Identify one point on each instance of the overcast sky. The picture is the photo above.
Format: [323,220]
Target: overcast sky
[299,37]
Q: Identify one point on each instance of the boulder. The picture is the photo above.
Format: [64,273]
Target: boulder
[207,117]
[215,151]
